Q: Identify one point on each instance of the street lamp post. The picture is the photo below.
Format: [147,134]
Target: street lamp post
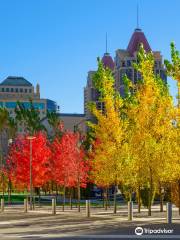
[30,138]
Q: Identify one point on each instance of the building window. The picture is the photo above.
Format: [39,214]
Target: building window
[25,90]
[128,63]
[123,64]
[129,73]
[21,90]
[12,89]
[122,73]
[7,89]
[2,89]
[157,72]
[16,89]
[10,104]
[30,90]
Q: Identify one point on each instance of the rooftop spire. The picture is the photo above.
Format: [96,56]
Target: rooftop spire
[107,59]
[137,16]
[106,42]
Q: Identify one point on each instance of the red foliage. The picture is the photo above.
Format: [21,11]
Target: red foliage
[18,162]
[68,161]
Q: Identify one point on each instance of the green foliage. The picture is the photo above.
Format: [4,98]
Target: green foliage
[55,123]
[29,117]
[146,196]
[98,79]
[173,69]
[4,115]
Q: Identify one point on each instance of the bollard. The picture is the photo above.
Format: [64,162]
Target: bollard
[25,205]
[53,206]
[130,210]
[2,204]
[169,213]
[88,208]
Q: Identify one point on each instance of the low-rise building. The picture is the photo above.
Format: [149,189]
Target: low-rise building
[71,122]
[14,89]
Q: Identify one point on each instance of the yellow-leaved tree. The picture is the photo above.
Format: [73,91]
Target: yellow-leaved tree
[109,132]
[173,70]
[151,114]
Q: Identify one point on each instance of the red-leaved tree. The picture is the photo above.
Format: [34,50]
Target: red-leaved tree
[18,161]
[70,168]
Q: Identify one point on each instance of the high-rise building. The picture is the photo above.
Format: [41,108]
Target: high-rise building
[121,65]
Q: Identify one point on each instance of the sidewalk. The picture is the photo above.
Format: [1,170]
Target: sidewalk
[40,223]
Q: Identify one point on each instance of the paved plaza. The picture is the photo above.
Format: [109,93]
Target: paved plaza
[41,224]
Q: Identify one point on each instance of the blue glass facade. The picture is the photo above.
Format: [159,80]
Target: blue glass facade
[51,106]
[13,85]
[36,105]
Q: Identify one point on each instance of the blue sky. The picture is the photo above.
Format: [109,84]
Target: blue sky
[56,42]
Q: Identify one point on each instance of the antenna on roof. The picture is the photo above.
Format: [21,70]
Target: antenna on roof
[137,16]
[106,42]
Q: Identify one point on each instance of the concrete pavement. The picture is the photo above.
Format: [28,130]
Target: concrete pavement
[41,224]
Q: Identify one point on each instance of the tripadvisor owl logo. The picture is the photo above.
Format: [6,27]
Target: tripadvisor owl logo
[139,231]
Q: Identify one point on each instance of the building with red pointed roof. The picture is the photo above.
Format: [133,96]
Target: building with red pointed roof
[121,65]
[108,61]
[137,38]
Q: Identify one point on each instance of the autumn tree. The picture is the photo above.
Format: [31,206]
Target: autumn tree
[8,130]
[109,132]
[70,168]
[18,161]
[173,70]
[150,113]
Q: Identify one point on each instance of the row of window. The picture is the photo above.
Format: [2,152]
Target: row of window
[135,76]
[39,106]
[129,63]
[16,90]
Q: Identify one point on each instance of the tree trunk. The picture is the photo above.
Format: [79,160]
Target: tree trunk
[106,198]
[70,198]
[9,191]
[39,200]
[64,198]
[161,198]
[75,196]
[150,194]
[161,202]
[79,197]
[115,199]
[179,195]
[102,197]
[33,203]
[109,205]
[139,199]
[149,203]
[52,187]
[56,191]
[3,184]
